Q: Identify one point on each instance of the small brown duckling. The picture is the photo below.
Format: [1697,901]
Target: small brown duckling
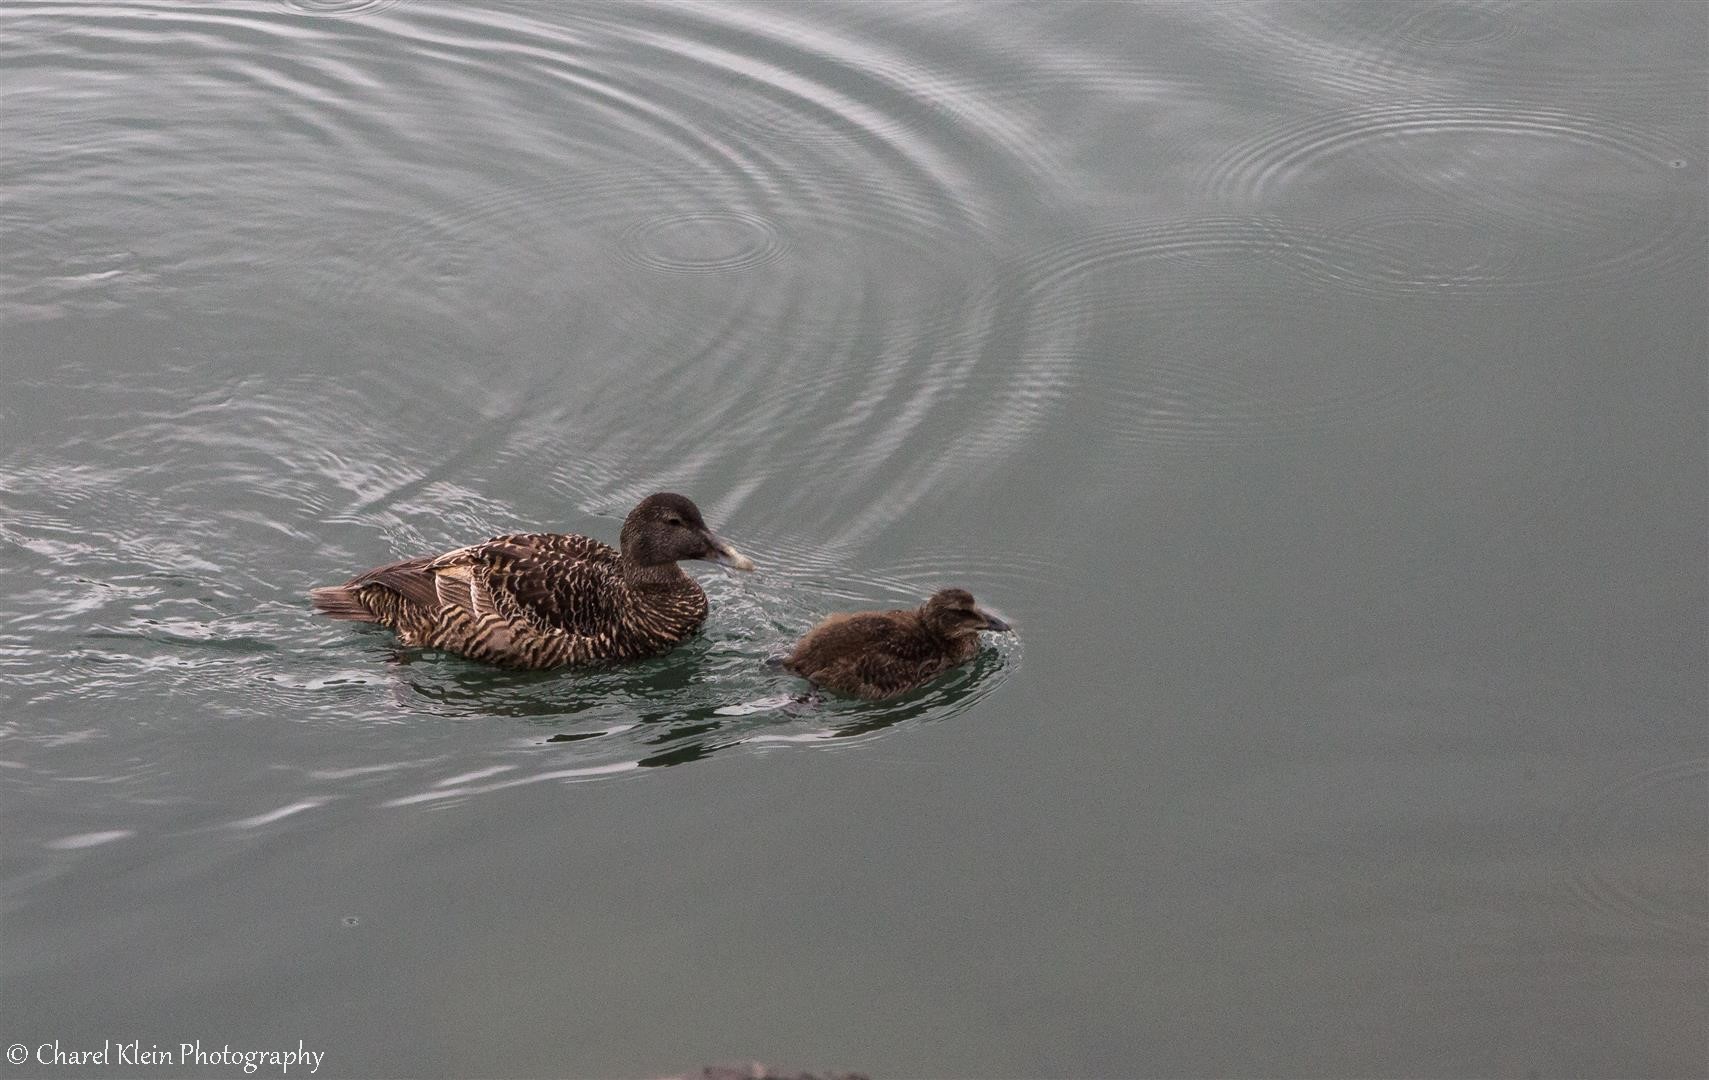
[880,654]
[542,600]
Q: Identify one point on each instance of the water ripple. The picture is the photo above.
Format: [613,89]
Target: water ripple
[704,241]
[1425,251]
[1486,198]
[1157,320]
[626,183]
[1452,24]
[89,840]
[1624,860]
[1454,150]
[1535,54]
[597,724]
[337,9]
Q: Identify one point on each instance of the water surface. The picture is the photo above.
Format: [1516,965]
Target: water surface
[1319,388]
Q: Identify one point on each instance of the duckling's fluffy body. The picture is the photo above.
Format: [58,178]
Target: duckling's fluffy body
[881,654]
[543,600]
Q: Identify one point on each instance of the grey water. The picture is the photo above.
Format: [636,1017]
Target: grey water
[1321,389]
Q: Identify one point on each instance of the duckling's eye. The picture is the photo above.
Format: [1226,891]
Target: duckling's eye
[673,520]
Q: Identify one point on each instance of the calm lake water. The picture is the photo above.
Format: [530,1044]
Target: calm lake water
[1319,388]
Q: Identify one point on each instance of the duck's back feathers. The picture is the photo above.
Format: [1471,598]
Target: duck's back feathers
[338,602]
[553,581]
[538,600]
[408,581]
[527,600]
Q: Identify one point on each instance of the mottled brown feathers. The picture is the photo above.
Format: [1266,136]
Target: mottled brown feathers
[542,600]
[880,654]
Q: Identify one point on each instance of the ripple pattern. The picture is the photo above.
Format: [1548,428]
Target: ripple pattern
[628,182]
[706,241]
[1455,25]
[338,9]
[1624,862]
[1156,318]
[1397,138]
[1473,181]
[837,272]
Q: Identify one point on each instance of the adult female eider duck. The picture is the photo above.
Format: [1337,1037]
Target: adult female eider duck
[544,600]
[880,654]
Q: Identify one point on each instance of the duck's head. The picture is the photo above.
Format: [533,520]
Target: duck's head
[952,613]
[664,528]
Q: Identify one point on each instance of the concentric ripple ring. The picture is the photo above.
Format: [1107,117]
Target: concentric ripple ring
[703,242]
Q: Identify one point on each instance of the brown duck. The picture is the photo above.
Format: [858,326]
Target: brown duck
[880,654]
[543,600]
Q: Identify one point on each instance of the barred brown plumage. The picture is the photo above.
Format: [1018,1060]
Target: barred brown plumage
[543,600]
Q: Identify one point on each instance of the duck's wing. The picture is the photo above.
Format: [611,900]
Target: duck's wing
[548,581]
[412,579]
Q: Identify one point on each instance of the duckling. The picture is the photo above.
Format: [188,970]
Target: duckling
[544,600]
[880,654]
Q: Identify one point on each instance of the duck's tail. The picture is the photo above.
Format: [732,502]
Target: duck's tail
[338,602]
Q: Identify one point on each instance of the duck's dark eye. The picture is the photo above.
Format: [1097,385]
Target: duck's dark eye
[673,520]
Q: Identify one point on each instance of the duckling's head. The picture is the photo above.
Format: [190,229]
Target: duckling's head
[951,613]
[664,528]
